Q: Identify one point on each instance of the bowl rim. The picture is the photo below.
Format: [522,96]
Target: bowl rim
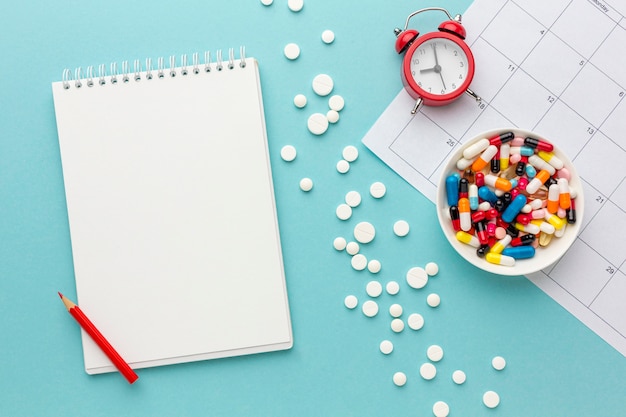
[524,266]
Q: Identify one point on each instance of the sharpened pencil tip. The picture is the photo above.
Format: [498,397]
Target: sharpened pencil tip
[60,295]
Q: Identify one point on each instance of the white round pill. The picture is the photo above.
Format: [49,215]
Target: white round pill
[343,166]
[328,36]
[434,353]
[292,51]
[428,371]
[352,248]
[332,116]
[288,153]
[433,300]
[350,153]
[378,190]
[415,321]
[353,198]
[374,289]
[431,268]
[441,409]
[417,277]
[374,266]
[359,262]
[323,84]
[350,301]
[339,243]
[306,184]
[393,288]
[498,363]
[364,232]
[299,101]
[397,325]
[317,123]
[336,102]
[344,211]
[395,310]
[267,2]
[386,347]
[458,377]
[399,378]
[295,5]
[370,308]
[401,228]
[491,399]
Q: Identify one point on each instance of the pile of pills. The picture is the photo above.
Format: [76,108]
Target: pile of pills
[510,196]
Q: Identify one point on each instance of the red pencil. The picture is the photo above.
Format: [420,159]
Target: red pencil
[95,334]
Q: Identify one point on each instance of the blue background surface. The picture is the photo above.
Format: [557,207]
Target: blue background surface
[555,365]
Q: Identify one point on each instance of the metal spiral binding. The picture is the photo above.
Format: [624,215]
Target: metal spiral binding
[77,80]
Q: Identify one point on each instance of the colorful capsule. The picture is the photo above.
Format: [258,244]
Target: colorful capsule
[539,144]
[463,188]
[550,158]
[468,174]
[555,220]
[454,217]
[528,228]
[499,246]
[544,227]
[522,150]
[540,164]
[463,164]
[498,259]
[481,232]
[538,181]
[564,198]
[482,251]
[514,208]
[538,214]
[501,139]
[519,252]
[570,213]
[480,179]
[523,218]
[545,239]
[486,194]
[473,197]
[520,168]
[498,183]
[553,198]
[505,152]
[476,149]
[485,157]
[495,163]
[530,171]
[452,189]
[468,239]
[522,183]
[465,214]
[523,240]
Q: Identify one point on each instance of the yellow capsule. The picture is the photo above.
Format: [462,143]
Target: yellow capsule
[554,220]
[545,239]
[467,238]
[499,246]
[498,259]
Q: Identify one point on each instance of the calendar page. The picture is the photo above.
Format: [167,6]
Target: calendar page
[557,68]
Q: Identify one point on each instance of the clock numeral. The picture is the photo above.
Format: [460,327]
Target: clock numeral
[454,86]
[456,53]
[443,91]
[416,61]
[461,64]
[460,76]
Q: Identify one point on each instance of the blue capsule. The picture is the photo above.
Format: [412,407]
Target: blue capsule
[531,172]
[519,252]
[486,194]
[513,209]
[452,189]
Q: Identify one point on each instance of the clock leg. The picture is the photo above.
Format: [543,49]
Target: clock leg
[417,106]
[473,94]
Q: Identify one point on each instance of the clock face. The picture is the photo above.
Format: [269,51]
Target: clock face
[439,66]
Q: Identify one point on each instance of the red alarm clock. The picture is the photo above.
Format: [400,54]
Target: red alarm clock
[438,67]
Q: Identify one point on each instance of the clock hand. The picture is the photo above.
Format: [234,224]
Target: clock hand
[437,67]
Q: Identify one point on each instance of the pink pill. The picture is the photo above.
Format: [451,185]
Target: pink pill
[564,173]
[500,233]
[515,158]
[517,142]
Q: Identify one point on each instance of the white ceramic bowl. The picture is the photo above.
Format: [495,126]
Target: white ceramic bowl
[544,256]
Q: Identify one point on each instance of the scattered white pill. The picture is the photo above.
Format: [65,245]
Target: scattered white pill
[343,166]
[386,347]
[350,153]
[399,378]
[395,310]
[417,277]
[353,198]
[428,371]
[434,353]
[364,232]
[458,377]
[498,363]
[374,266]
[295,5]
[344,211]
[317,123]
[288,153]
[339,243]
[491,399]
[328,36]
[397,325]
[352,248]
[292,51]
[415,321]
[378,190]
[441,409]
[336,102]
[374,289]
[433,300]
[351,302]
[370,308]
[306,184]
[401,228]
[299,101]
[332,116]
[359,262]
[393,288]
[267,2]
[323,84]
[431,269]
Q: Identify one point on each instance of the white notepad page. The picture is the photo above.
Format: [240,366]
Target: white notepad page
[172,215]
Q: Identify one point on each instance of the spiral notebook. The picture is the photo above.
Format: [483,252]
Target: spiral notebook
[171,210]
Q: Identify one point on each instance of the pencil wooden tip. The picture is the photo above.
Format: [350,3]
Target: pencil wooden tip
[60,295]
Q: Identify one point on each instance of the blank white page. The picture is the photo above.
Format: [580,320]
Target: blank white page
[172,216]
